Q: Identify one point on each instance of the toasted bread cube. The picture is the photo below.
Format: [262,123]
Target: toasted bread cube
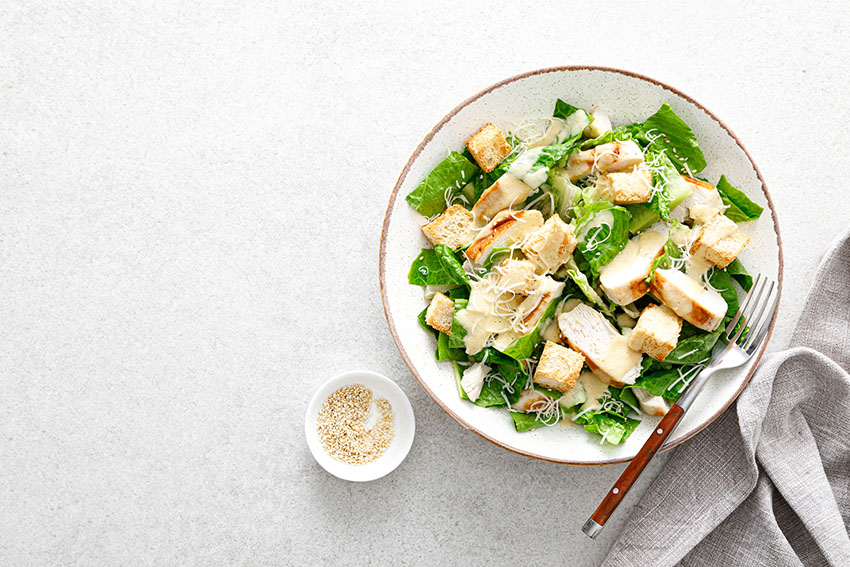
[454,228]
[559,368]
[626,188]
[488,146]
[441,313]
[657,332]
[720,241]
[507,191]
[551,245]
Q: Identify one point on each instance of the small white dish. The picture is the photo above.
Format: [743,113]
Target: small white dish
[404,426]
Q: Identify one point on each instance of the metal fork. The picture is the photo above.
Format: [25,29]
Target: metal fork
[744,335]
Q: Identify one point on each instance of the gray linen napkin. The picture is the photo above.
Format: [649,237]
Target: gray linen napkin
[768,483]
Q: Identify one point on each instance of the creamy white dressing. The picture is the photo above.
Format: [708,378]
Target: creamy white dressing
[573,125]
[594,389]
[521,167]
[619,361]
[601,124]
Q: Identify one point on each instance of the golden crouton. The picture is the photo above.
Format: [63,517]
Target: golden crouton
[559,368]
[488,146]
[656,333]
[454,228]
[441,313]
[720,241]
[551,245]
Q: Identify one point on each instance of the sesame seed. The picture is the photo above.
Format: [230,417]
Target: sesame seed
[341,425]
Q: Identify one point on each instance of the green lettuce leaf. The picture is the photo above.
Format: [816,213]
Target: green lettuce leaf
[601,243]
[694,349]
[722,282]
[667,132]
[432,268]
[458,330]
[451,175]
[740,208]
[580,279]
[620,133]
[737,270]
[446,352]
[612,429]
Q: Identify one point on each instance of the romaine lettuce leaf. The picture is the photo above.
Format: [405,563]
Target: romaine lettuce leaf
[458,330]
[613,430]
[740,208]
[694,349]
[599,243]
[620,133]
[737,270]
[505,381]
[580,279]
[433,267]
[449,177]
[722,282]
[666,132]
[446,352]
[668,185]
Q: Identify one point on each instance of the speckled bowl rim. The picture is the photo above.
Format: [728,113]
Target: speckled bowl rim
[427,140]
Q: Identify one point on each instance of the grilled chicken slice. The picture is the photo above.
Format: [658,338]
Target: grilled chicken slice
[614,156]
[506,228]
[506,192]
[605,350]
[530,311]
[703,196]
[689,299]
[624,279]
[473,380]
[653,405]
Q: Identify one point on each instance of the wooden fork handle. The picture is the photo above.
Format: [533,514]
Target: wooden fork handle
[594,525]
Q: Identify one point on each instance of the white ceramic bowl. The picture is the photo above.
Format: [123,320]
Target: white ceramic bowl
[626,97]
[405,426]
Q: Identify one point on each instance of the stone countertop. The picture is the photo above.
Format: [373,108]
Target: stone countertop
[190,207]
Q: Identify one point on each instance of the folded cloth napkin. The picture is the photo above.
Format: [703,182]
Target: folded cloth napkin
[768,483]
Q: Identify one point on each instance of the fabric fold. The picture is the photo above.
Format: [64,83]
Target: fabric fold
[768,483]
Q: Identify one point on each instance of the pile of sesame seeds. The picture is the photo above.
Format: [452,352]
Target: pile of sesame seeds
[341,425]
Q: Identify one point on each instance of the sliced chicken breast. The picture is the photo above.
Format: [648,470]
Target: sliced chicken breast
[689,299]
[605,350]
[506,228]
[624,279]
[703,197]
[506,192]
[650,404]
[614,156]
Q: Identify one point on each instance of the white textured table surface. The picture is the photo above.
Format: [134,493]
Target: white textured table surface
[190,207]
